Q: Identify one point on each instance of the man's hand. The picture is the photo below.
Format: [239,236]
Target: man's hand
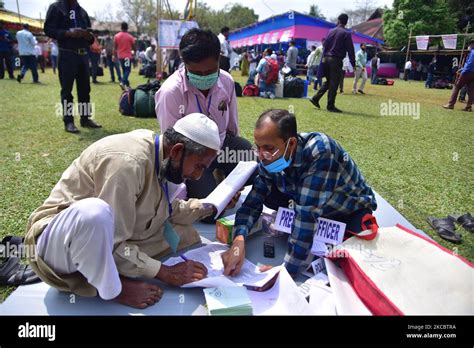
[233,258]
[75,34]
[182,273]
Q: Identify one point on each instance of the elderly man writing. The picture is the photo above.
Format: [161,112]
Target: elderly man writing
[313,172]
[110,217]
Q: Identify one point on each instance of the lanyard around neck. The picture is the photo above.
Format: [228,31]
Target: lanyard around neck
[157,169]
[208,105]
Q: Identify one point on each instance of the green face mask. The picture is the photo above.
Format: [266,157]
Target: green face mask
[203,83]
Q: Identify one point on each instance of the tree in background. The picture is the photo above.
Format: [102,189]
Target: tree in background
[424,17]
[463,11]
[233,16]
[315,11]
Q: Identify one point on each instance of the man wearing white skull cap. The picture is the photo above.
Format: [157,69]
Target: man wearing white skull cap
[110,218]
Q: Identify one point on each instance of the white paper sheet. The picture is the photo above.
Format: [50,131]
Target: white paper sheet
[210,256]
[222,194]
[284,298]
[321,300]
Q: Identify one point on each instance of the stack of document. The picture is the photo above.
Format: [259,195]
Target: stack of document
[228,301]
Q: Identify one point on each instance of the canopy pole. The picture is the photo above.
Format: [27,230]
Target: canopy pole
[408,47]
[158,52]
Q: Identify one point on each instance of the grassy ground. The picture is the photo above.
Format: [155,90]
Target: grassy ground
[422,166]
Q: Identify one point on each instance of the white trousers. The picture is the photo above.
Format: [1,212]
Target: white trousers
[360,74]
[80,239]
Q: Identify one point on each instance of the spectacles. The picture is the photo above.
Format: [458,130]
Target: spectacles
[267,155]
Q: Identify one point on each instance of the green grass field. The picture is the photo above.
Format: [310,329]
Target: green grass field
[422,166]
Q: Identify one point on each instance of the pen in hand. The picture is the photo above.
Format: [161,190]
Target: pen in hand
[184,258]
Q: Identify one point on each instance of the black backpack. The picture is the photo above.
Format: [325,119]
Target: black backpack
[293,87]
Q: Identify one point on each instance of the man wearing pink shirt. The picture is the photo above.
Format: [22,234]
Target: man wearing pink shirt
[124,44]
[200,86]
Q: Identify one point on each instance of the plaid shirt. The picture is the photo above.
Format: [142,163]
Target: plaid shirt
[323,180]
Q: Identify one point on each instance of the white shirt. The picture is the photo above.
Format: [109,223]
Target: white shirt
[226,50]
[38,51]
[150,55]
[26,43]
[408,65]
[54,48]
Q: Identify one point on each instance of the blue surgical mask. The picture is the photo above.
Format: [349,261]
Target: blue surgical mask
[203,83]
[280,164]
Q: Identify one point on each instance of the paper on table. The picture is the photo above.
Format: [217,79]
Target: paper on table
[228,300]
[319,248]
[222,194]
[210,256]
[284,298]
[321,300]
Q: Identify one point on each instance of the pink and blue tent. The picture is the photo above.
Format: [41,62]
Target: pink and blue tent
[279,30]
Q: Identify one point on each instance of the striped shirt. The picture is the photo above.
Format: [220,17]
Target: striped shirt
[323,181]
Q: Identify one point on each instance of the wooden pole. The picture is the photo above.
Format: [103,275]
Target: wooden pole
[158,42]
[408,47]
[464,41]
[18,10]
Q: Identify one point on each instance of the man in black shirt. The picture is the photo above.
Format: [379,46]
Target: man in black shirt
[69,24]
[337,43]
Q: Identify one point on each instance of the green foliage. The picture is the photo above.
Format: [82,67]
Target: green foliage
[424,17]
[315,11]
[234,16]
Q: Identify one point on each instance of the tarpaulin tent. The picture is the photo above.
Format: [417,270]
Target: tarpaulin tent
[279,30]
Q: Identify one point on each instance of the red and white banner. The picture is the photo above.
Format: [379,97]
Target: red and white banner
[422,42]
[450,41]
[403,273]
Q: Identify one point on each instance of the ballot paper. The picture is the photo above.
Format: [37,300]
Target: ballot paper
[319,248]
[228,301]
[233,183]
[284,298]
[210,256]
[321,300]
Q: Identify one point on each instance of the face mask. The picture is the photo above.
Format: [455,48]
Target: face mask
[203,83]
[171,174]
[278,165]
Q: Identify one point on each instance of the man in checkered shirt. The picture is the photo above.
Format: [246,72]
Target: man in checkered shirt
[312,172]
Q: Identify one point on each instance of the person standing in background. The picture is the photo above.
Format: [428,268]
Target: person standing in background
[311,65]
[292,57]
[346,67]
[124,45]
[6,45]
[226,49]
[360,69]
[112,62]
[375,65]
[54,54]
[406,73]
[318,57]
[39,56]
[69,24]
[431,72]
[26,48]
[94,56]
[337,44]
